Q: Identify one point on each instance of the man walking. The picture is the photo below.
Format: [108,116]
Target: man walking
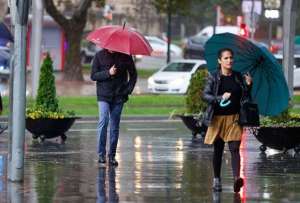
[115,74]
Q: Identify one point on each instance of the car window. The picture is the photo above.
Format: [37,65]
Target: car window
[179,67]
[151,41]
[297,62]
[200,39]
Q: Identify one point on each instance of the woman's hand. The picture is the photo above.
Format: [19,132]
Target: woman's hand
[226,95]
[248,79]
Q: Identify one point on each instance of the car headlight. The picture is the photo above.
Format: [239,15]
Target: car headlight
[150,80]
[2,68]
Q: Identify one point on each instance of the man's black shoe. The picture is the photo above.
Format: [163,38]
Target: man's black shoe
[102,160]
[2,129]
[113,162]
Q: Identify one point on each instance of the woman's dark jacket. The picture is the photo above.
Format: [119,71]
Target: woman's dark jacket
[115,88]
[210,92]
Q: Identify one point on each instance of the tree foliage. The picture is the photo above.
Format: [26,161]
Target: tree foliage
[176,6]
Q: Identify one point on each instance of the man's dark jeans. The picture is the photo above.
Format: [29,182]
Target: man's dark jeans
[108,113]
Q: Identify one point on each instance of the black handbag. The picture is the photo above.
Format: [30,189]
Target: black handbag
[249,114]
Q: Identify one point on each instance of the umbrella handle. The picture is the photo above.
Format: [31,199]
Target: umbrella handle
[224,103]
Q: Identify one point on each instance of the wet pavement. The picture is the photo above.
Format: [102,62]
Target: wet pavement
[158,162]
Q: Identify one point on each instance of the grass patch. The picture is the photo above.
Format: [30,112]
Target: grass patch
[145,73]
[137,104]
[296,99]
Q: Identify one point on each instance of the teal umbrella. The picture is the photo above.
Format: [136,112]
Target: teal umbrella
[297,39]
[269,90]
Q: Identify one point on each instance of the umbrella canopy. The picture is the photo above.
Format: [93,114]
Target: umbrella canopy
[121,39]
[5,34]
[269,90]
[297,39]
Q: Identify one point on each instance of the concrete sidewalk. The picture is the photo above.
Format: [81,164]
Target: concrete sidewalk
[158,162]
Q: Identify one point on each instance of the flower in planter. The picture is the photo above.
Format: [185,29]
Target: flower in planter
[46,103]
[285,119]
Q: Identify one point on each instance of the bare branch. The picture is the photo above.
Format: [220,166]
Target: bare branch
[84,5]
[52,10]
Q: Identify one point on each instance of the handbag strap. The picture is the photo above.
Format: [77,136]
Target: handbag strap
[243,86]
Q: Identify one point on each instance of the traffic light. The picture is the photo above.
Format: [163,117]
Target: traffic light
[244,32]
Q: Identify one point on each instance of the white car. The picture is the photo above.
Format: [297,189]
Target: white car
[175,77]
[279,58]
[160,48]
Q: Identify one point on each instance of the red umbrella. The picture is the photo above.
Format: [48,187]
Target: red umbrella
[120,39]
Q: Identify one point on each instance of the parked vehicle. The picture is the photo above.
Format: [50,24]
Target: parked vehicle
[194,45]
[174,78]
[88,52]
[276,47]
[4,63]
[279,58]
[160,48]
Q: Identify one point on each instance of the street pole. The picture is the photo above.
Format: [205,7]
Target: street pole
[252,20]
[289,23]
[270,32]
[169,31]
[16,158]
[37,20]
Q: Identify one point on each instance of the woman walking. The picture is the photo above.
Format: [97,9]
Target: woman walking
[224,91]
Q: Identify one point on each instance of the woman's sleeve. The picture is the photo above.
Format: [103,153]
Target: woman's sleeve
[208,92]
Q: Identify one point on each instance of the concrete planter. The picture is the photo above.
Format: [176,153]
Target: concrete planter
[280,138]
[193,123]
[45,128]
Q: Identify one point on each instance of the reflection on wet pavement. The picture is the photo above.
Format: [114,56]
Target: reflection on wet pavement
[154,166]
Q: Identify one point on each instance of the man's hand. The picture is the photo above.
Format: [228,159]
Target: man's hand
[113,70]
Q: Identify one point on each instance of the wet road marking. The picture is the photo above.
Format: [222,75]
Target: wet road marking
[151,129]
[134,121]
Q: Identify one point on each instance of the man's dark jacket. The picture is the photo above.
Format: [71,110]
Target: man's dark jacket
[114,88]
[210,93]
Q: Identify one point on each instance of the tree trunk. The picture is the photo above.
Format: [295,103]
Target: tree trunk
[73,28]
[72,67]
[3,9]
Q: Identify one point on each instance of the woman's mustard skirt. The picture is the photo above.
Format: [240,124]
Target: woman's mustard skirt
[225,127]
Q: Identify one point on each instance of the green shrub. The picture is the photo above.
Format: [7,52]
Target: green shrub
[46,103]
[194,102]
[46,95]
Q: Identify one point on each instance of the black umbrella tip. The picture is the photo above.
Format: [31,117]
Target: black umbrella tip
[124,25]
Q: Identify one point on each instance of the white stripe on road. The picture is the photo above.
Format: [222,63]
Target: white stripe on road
[129,129]
[134,121]
[151,129]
